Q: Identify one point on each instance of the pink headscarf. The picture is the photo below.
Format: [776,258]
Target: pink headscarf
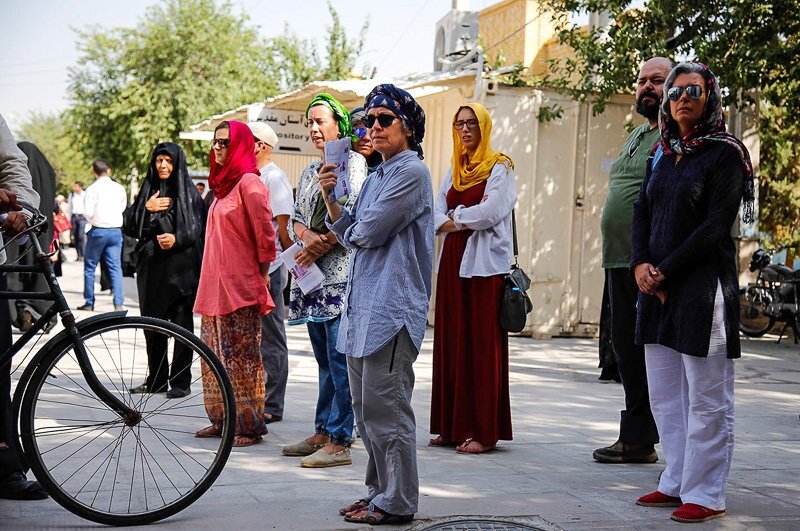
[241,160]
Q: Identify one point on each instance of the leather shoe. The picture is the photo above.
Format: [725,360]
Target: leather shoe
[621,452]
[322,459]
[178,392]
[145,389]
[86,307]
[19,488]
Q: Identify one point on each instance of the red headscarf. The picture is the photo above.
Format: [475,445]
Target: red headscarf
[241,160]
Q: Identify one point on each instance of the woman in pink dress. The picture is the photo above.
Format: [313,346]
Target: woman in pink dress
[234,280]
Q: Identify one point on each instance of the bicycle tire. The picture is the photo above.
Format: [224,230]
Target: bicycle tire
[35,440]
[753,322]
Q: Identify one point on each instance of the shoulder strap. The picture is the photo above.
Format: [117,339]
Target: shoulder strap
[657,155]
[514,232]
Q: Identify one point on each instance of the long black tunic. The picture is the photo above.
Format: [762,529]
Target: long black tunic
[682,225]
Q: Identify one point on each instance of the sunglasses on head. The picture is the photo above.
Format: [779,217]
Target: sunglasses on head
[223,142]
[360,132]
[693,91]
[384,119]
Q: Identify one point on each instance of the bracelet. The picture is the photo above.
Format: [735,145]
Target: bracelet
[302,232]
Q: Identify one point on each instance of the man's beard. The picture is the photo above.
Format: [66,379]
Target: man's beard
[647,109]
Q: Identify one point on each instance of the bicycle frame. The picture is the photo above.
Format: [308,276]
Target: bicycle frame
[44,267]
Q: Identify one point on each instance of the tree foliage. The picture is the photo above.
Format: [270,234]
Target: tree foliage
[751,44]
[297,61]
[51,135]
[185,61]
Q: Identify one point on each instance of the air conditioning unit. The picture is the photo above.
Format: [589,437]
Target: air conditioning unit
[456,35]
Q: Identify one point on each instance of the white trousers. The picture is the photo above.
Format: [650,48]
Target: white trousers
[692,403]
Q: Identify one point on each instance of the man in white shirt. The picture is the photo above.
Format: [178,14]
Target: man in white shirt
[274,351]
[76,206]
[104,203]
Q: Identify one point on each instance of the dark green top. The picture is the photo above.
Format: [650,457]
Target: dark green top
[624,181]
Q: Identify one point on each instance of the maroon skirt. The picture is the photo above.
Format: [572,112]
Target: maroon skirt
[470,354]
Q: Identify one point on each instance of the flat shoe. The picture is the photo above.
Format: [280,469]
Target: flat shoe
[178,392]
[691,513]
[300,449]
[464,448]
[353,507]
[272,418]
[208,432]
[22,489]
[658,499]
[322,459]
[378,517]
[438,441]
[240,441]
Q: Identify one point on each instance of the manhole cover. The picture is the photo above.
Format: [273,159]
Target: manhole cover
[488,524]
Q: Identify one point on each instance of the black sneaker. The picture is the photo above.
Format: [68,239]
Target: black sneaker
[145,389]
[178,392]
[621,452]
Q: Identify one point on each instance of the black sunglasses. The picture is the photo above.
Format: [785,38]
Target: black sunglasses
[384,119]
[223,142]
[693,91]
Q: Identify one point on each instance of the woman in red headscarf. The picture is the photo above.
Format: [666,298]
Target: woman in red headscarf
[234,280]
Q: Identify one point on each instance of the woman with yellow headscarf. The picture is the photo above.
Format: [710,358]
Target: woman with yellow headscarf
[470,407]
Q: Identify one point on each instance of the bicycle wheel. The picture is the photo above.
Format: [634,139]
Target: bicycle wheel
[96,466]
[753,301]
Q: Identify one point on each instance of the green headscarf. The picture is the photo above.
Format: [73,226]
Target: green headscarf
[339,112]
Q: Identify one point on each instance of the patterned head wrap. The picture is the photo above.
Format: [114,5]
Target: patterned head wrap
[339,112]
[470,172]
[403,105]
[710,128]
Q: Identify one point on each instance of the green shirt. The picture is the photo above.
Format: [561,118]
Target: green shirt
[624,181]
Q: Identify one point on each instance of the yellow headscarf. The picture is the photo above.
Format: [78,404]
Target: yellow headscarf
[467,173]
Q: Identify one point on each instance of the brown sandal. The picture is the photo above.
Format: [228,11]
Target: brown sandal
[208,432]
[354,507]
[440,441]
[377,517]
[241,441]
[464,448]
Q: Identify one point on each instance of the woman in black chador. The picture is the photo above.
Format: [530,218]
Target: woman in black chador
[168,219]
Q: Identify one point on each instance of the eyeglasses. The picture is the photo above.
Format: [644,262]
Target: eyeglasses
[384,119]
[471,124]
[223,142]
[360,132]
[693,91]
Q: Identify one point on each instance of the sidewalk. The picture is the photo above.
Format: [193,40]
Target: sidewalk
[545,476]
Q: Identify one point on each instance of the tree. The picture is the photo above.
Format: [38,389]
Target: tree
[51,135]
[186,60]
[751,44]
[297,60]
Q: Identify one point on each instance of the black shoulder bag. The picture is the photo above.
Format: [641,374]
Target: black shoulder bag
[515,304]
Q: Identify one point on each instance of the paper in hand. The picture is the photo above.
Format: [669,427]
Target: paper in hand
[337,152]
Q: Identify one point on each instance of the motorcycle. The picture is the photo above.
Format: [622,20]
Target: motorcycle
[773,297]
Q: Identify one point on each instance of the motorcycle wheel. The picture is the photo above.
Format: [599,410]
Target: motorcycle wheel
[753,301]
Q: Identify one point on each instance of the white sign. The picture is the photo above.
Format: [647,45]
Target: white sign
[337,152]
[292,130]
[308,278]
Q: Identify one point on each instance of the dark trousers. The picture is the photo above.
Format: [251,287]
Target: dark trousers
[636,421]
[79,233]
[159,371]
[9,460]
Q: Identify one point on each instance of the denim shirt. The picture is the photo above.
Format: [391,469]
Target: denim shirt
[391,232]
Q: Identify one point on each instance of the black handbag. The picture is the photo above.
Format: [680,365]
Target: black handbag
[515,304]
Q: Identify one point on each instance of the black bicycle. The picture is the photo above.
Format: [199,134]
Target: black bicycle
[103,453]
